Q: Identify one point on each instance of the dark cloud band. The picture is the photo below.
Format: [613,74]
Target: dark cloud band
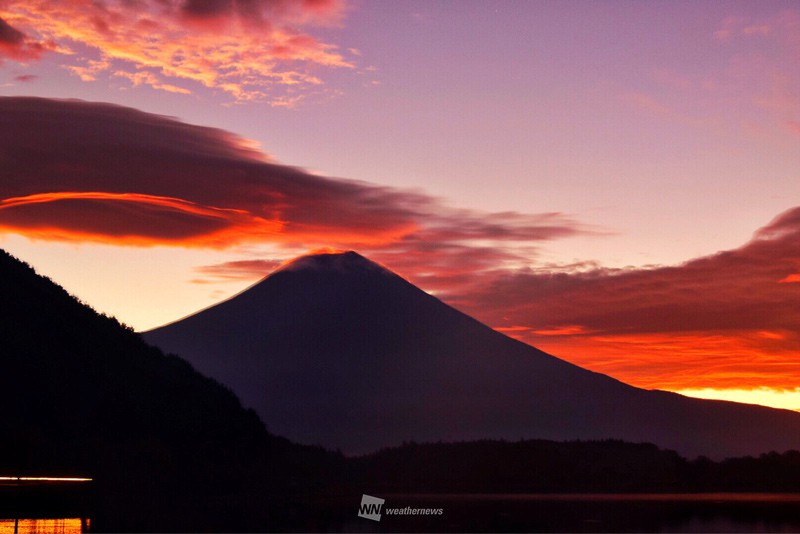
[105,172]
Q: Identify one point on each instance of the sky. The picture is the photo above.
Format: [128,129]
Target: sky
[616,183]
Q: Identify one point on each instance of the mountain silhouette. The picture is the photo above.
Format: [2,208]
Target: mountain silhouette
[168,449]
[335,350]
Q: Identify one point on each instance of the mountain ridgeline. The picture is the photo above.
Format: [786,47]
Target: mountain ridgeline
[168,448]
[335,350]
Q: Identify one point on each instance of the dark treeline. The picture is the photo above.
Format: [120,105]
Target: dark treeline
[541,466]
[172,450]
[168,448]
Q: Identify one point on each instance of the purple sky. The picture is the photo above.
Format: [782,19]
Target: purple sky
[552,137]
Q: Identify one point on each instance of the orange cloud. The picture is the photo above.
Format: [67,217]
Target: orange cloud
[726,320]
[130,219]
[571,330]
[250,50]
[512,329]
[99,172]
[235,271]
[737,359]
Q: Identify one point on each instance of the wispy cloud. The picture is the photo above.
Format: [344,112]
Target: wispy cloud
[251,50]
[235,271]
[754,89]
[783,27]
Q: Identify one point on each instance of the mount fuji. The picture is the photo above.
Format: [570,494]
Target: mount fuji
[336,350]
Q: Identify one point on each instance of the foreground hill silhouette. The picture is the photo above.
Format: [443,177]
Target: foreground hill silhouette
[168,448]
[335,350]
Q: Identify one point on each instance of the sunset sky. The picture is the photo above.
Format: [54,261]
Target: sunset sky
[616,183]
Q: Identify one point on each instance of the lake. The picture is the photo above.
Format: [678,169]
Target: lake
[693,512]
[704,512]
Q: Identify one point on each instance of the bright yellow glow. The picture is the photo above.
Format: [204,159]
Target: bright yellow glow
[46,479]
[70,525]
[775,398]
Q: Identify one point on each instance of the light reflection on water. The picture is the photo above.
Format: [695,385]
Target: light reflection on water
[70,525]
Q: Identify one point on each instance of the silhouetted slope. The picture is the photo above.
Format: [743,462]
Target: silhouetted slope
[335,350]
[169,449]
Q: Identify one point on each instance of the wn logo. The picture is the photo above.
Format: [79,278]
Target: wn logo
[370,507]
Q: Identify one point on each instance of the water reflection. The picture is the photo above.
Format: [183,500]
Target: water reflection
[69,525]
[44,504]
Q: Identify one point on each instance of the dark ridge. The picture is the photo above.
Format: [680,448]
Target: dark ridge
[168,449]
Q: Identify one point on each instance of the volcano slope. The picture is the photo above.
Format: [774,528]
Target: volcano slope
[335,350]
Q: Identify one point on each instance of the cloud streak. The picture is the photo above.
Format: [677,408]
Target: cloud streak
[717,321]
[127,219]
[249,49]
[81,171]
[754,90]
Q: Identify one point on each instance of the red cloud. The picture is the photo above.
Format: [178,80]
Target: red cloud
[16,45]
[84,171]
[128,218]
[262,12]
[733,314]
[10,35]
[250,49]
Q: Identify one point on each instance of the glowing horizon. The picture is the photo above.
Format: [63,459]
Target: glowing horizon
[46,479]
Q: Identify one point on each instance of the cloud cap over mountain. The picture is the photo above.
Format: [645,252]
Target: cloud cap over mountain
[84,171]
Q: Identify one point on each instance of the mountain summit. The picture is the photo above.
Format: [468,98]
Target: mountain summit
[333,349]
[342,262]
